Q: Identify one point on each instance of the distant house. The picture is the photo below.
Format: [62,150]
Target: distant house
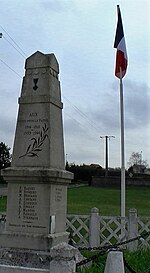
[137,168]
[95,165]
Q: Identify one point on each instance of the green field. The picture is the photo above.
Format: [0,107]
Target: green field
[3,202]
[138,261]
[107,200]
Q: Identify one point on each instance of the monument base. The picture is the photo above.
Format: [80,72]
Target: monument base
[24,258]
[30,241]
[20,269]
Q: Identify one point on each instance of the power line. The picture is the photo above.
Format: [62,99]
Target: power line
[82,114]
[1,35]
[10,68]
[14,47]
[76,108]
[77,121]
[24,56]
[13,41]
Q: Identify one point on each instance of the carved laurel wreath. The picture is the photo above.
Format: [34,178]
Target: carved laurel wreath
[36,145]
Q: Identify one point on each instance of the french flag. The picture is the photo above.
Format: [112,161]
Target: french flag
[121,55]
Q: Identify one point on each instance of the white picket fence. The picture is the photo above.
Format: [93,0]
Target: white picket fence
[91,230]
[95,230]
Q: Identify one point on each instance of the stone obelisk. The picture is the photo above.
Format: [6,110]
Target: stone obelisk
[37,180]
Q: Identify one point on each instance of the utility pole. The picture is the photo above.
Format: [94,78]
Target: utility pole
[106,152]
[66,157]
[66,160]
[141,162]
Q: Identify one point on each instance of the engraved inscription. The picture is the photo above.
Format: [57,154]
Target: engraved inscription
[27,212]
[58,194]
[36,129]
[20,203]
[27,207]
[30,203]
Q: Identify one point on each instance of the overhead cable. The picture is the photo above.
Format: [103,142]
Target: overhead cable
[77,121]
[14,47]
[82,114]
[23,54]
[10,68]
[13,41]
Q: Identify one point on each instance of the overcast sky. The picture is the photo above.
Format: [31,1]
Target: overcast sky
[81,34]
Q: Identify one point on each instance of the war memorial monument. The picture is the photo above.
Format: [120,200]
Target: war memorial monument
[37,179]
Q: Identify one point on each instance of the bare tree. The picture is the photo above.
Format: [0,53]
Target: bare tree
[136,159]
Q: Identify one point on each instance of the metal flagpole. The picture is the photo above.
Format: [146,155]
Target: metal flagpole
[122,148]
[120,70]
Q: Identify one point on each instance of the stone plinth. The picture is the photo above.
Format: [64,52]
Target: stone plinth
[40,200]
[37,180]
[63,258]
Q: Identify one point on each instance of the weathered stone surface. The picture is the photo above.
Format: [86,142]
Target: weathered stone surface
[39,131]
[37,180]
[63,258]
[19,269]
[114,262]
[24,258]
[63,250]
[31,241]
[38,196]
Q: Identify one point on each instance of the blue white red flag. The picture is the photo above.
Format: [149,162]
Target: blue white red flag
[121,54]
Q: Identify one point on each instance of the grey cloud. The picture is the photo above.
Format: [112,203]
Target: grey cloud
[76,127]
[106,114]
[137,100]
[136,107]
[73,127]
[81,152]
[7,125]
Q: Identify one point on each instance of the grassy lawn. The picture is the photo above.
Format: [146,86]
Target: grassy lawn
[107,200]
[3,202]
[139,261]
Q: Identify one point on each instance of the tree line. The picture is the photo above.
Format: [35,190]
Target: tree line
[82,172]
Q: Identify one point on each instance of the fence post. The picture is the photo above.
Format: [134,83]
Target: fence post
[114,262]
[63,258]
[94,237]
[132,229]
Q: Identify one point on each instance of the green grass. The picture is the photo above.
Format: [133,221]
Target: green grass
[138,261]
[98,266]
[3,204]
[107,200]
